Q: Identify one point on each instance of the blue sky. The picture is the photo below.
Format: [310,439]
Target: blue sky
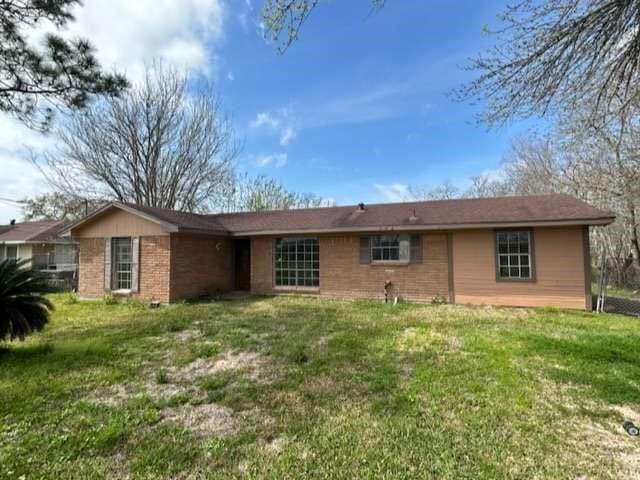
[356,110]
[367,99]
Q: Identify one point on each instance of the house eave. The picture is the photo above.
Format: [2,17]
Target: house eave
[421,228]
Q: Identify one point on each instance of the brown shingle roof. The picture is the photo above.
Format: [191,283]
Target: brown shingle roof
[42,231]
[428,214]
[440,214]
[182,220]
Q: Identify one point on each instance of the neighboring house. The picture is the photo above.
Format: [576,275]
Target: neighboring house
[40,243]
[521,251]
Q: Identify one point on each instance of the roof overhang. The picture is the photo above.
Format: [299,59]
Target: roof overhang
[38,242]
[422,228]
[170,227]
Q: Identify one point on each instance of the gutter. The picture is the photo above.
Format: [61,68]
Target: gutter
[421,228]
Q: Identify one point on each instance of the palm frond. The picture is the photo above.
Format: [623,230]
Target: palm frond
[23,307]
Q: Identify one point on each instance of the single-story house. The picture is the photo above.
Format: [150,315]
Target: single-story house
[41,243]
[520,250]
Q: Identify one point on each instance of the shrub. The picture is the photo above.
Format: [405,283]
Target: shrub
[23,308]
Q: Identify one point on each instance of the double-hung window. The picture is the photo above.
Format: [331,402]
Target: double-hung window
[514,255]
[390,248]
[297,262]
[121,263]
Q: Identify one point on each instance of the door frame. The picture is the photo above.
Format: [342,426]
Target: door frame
[240,244]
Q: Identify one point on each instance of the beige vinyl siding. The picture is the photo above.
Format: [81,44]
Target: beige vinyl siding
[118,223]
[559,260]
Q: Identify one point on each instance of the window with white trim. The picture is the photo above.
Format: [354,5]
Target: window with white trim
[121,264]
[514,255]
[297,262]
[390,248]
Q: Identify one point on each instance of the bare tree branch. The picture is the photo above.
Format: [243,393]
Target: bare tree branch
[157,145]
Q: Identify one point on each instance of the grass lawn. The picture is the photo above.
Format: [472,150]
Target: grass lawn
[309,388]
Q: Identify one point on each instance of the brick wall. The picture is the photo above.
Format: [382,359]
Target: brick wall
[154,268]
[200,264]
[262,265]
[91,272]
[342,275]
[155,260]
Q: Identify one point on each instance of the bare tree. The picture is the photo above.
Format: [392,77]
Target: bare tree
[57,206]
[591,158]
[262,193]
[159,144]
[444,191]
[552,55]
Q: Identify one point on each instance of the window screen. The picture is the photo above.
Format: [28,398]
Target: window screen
[297,262]
[514,255]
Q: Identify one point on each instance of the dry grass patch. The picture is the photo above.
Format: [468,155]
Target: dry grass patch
[416,339]
[207,419]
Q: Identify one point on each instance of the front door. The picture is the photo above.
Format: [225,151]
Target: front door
[242,264]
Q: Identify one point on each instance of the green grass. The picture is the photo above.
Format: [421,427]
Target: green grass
[308,388]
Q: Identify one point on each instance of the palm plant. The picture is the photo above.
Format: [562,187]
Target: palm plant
[23,308]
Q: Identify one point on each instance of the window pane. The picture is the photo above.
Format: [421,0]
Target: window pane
[404,247]
[514,260]
[121,263]
[295,261]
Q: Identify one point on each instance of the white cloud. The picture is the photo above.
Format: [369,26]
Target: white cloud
[127,34]
[276,159]
[230,76]
[392,192]
[279,122]
[264,119]
[287,135]
[19,177]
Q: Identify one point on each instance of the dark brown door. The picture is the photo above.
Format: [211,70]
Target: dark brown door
[242,264]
